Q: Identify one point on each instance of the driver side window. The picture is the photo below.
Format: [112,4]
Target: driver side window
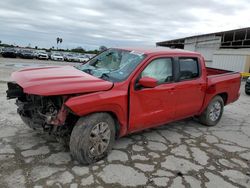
[159,69]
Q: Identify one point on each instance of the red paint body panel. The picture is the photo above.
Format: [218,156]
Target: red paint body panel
[114,101]
[134,109]
[228,83]
[48,81]
[151,107]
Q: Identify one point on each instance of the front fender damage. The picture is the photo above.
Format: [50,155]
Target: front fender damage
[59,119]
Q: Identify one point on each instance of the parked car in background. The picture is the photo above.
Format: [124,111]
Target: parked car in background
[35,53]
[82,58]
[1,50]
[49,54]
[69,57]
[247,86]
[9,52]
[56,57]
[26,54]
[91,55]
[42,55]
[65,56]
[18,52]
[75,58]
[119,92]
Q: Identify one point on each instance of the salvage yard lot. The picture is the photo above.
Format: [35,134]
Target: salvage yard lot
[180,154]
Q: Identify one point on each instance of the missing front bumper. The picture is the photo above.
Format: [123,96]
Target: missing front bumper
[14,90]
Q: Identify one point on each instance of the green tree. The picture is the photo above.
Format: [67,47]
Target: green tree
[78,50]
[102,48]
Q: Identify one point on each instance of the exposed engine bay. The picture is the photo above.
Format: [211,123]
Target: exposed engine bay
[46,113]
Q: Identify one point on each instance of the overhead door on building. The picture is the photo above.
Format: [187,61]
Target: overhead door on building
[231,59]
[229,62]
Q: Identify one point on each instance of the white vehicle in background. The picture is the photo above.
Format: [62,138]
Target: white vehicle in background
[70,57]
[90,56]
[42,55]
[83,58]
[56,57]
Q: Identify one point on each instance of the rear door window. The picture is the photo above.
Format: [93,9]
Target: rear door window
[189,68]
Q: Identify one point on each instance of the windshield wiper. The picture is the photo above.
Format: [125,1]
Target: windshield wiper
[105,76]
[95,62]
[88,71]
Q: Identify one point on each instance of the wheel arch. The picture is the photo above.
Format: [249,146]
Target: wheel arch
[114,116]
[209,98]
[117,123]
[224,96]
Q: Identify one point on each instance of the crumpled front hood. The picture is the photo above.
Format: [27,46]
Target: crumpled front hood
[58,80]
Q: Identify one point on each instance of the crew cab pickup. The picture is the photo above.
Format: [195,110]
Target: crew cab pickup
[118,92]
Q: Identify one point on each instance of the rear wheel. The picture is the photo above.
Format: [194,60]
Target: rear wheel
[92,138]
[247,92]
[212,115]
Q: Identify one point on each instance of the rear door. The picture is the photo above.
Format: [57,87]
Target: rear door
[190,87]
[152,106]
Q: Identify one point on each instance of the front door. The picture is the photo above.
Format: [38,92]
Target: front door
[153,106]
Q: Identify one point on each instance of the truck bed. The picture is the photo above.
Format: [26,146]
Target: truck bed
[223,81]
[214,71]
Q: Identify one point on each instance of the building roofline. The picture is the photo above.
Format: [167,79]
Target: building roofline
[201,35]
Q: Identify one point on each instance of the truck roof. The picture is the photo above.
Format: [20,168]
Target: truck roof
[161,50]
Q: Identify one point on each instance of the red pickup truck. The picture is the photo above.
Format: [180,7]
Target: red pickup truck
[120,91]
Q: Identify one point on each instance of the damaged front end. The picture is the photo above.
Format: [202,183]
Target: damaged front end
[42,112]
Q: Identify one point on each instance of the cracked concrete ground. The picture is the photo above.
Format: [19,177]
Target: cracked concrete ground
[180,154]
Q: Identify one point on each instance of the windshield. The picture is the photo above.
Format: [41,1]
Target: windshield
[114,64]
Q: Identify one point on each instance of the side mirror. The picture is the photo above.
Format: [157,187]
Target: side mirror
[148,82]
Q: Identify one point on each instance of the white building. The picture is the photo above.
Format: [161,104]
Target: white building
[225,50]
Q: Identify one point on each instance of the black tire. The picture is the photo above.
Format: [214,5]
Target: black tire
[247,92]
[80,142]
[205,118]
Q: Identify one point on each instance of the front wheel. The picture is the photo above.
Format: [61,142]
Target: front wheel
[92,138]
[212,115]
[247,92]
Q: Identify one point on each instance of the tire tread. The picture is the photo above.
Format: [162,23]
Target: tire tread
[80,135]
[204,119]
